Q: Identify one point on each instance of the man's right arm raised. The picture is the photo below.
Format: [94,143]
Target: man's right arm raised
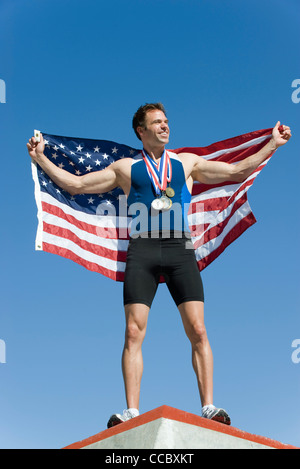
[91,183]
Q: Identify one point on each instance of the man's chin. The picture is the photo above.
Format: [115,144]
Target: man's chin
[164,140]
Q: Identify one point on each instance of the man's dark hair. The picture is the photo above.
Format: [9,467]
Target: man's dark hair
[140,115]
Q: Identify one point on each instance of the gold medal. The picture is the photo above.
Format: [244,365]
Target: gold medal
[170,191]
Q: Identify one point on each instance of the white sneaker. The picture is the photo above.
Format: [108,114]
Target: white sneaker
[128,414]
[213,413]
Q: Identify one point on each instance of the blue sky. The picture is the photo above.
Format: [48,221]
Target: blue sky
[82,68]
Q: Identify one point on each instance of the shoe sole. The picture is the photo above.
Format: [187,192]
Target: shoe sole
[114,420]
[222,417]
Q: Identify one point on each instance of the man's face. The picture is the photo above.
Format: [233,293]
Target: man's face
[156,131]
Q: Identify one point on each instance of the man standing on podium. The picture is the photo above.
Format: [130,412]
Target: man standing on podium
[160,181]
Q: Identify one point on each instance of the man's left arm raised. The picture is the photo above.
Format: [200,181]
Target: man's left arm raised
[214,172]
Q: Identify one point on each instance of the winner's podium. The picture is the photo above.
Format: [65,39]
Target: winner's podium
[169,428]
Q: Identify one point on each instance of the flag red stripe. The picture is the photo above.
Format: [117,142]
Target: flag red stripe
[102,232]
[100,251]
[235,156]
[218,203]
[202,188]
[217,230]
[114,275]
[238,229]
[225,144]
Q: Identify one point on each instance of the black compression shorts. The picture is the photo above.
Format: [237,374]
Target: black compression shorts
[150,258]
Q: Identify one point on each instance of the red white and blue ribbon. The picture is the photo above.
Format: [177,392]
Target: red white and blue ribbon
[159,173]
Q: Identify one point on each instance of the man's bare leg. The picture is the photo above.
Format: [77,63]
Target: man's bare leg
[132,358]
[192,314]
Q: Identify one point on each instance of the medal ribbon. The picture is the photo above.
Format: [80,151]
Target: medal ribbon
[159,173]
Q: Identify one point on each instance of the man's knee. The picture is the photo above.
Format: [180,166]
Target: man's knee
[197,333]
[134,334]
[136,323]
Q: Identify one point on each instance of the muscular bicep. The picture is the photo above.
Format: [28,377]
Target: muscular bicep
[98,181]
[212,172]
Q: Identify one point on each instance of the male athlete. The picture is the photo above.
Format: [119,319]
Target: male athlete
[160,180]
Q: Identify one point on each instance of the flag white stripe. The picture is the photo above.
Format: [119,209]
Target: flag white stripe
[215,217]
[37,195]
[250,143]
[228,190]
[86,255]
[201,218]
[209,247]
[84,235]
[91,219]
[220,217]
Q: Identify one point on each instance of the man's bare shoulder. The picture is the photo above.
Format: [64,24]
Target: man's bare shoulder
[183,155]
[188,161]
[123,164]
[122,169]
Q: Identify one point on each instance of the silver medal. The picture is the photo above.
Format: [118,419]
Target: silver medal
[167,203]
[157,204]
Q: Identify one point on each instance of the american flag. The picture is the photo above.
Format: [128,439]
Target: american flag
[92,229]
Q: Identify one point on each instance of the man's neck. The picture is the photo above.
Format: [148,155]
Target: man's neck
[155,152]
